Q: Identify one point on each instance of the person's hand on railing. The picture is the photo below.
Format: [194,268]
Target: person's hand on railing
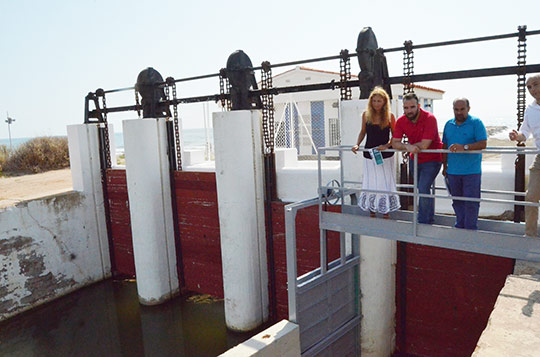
[413,149]
[456,148]
[514,135]
[355,149]
[383,147]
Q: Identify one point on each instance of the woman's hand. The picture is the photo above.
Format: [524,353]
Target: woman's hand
[355,149]
[383,147]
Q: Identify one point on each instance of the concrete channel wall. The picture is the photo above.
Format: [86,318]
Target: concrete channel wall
[513,328]
[281,339]
[48,248]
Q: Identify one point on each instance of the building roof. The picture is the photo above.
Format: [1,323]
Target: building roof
[352,75]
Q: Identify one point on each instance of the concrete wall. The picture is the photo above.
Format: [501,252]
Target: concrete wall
[54,245]
[48,247]
[281,339]
[290,171]
[513,328]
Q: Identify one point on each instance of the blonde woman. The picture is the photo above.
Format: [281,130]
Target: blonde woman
[377,124]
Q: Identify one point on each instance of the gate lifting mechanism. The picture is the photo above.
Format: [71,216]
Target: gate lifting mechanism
[373,72]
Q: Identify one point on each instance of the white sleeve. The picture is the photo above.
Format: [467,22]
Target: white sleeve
[525,127]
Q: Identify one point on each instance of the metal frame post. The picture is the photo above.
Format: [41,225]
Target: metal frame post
[290,247]
[416,198]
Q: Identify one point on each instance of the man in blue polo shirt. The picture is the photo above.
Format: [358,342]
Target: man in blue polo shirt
[461,134]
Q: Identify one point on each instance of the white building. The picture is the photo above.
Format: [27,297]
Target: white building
[307,120]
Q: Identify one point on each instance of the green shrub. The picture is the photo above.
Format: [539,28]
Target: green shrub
[38,155]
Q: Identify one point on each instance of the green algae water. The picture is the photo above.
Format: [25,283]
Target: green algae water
[106,319]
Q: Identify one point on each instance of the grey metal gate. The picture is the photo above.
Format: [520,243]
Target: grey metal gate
[325,302]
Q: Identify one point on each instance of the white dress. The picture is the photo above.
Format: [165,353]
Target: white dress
[378,177]
[381,178]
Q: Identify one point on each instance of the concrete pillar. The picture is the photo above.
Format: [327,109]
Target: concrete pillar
[83,144]
[148,181]
[378,256]
[240,179]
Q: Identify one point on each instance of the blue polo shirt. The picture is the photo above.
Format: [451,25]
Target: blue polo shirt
[470,131]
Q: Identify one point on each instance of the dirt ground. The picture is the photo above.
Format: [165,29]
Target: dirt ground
[29,187]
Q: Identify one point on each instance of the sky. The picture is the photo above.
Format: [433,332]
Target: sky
[52,53]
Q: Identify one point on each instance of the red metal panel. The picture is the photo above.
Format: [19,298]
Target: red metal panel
[198,221]
[307,248]
[120,222]
[444,299]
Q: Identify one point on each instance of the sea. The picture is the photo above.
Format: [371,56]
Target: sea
[191,138]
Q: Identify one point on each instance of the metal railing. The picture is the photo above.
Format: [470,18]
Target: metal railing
[518,247]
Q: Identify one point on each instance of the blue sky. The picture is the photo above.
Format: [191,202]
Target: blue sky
[54,52]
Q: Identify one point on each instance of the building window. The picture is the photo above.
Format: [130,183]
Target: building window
[335,137]
[427,105]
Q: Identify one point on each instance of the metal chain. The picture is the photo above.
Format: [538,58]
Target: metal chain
[345,75]
[408,67]
[521,87]
[168,97]
[101,93]
[228,101]
[268,108]
[222,88]
[137,102]
[224,83]
[176,130]
[405,154]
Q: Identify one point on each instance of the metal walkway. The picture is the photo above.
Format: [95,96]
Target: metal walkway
[325,302]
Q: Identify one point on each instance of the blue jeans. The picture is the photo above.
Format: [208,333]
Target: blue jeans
[466,211]
[427,172]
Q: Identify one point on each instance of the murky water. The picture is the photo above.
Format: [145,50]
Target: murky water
[106,319]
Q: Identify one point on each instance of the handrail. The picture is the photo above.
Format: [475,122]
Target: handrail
[501,150]
[488,150]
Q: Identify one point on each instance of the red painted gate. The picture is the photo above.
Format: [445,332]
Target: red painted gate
[199,246]
[119,223]
[198,220]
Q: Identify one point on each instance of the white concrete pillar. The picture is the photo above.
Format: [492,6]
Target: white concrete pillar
[83,145]
[148,181]
[378,256]
[240,179]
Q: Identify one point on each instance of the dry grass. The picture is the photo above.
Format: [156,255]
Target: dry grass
[38,155]
[3,156]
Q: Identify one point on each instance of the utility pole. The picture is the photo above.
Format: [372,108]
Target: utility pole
[9,121]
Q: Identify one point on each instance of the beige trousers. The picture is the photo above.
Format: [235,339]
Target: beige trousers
[533,195]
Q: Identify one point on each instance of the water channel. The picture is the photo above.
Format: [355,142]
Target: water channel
[106,319]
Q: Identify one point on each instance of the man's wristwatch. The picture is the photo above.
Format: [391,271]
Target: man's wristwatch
[465,147]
